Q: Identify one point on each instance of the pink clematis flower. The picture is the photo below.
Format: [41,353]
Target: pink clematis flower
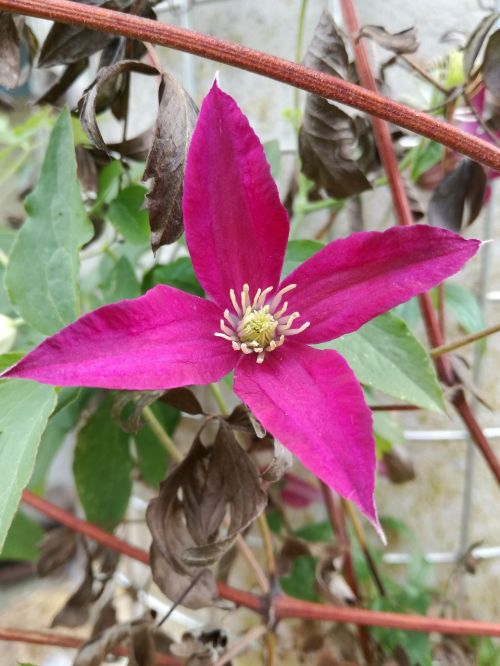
[252,322]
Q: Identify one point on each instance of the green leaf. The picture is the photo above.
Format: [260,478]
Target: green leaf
[301,583]
[465,308]
[22,540]
[297,252]
[24,411]
[426,155]
[179,274]
[385,355]
[109,184]
[315,532]
[9,358]
[127,215]
[387,432]
[120,282]
[42,273]
[273,156]
[102,468]
[151,456]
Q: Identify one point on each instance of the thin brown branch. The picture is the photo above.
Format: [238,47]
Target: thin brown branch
[423,73]
[405,218]
[466,340]
[285,607]
[13,634]
[335,513]
[279,69]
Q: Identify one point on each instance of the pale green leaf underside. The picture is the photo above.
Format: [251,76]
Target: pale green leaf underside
[24,411]
[42,274]
[385,355]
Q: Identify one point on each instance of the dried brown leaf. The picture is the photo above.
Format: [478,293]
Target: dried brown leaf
[186,516]
[57,547]
[397,42]
[398,465]
[279,465]
[76,610]
[491,64]
[475,41]
[143,645]
[166,161]
[66,44]
[183,399]
[105,619]
[95,651]
[10,57]
[332,583]
[89,102]
[458,198]
[242,420]
[137,400]
[67,78]
[87,170]
[334,147]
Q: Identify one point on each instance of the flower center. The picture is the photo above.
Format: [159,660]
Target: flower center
[261,325]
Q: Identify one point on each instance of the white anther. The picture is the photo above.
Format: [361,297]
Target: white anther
[245,349]
[261,357]
[235,345]
[245,298]
[277,299]
[236,307]
[231,320]
[294,331]
[280,313]
[226,337]
[287,322]
[262,297]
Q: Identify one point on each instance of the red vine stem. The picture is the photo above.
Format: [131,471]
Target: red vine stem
[405,218]
[62,640]
[147,30]
[284,607]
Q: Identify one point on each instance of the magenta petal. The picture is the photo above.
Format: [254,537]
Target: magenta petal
[236,227]
[158,341]
[310,400]
[354,279]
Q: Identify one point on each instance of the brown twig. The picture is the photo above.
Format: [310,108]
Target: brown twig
[405,218]
[285,607]
[424,73]
[336,516]
[279,69]
[394,408]
[466,340]
[13,634]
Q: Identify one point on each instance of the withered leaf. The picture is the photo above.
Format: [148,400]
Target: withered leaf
[76,610]
[242,419]
[186,516]
[333,146]
[279,465]
[66,44]
[105,619]
[10,57]
[57,547]
[143,645]
[458,198]
[183,399]
[136,148]
[332,583]
[491,64]
[398,465]
[166,161]
[137,400]
[397,42]
[67,78]
[95,651]
[87,171]
[88,104]
[475,41]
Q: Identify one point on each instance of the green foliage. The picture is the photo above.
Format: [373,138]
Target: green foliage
[128,216]
[120,282]
[24,411]
[301,582]
[22,539]
[385,355]
[273,155]
[151,456]
[314,532]
[179,274]
[387,432]
[297,252]
[42,273]
[102,468]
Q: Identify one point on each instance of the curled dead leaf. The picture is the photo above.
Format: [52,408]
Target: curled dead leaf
[10,56]
[401,42]
[57,547]
[185,519]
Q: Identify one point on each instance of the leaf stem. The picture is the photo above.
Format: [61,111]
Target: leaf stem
[298,46]
[423,73]
[163,437]
[285,607]
[219,398]
[66,641]
[279,69]
[268,544]
[466,340]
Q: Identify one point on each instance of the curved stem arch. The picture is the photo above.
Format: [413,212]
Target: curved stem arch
[258,62]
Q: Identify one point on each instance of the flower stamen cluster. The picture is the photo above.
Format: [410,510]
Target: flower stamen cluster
[258,326]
